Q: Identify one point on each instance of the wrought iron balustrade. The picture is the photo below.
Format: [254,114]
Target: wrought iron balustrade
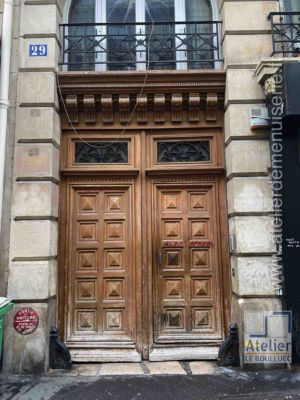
[140,46]
[285,33]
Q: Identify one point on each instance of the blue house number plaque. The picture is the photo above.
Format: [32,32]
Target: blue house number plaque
[38,50]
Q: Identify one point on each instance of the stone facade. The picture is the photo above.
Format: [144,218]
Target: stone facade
[29,266]
[246,42]
[34,213]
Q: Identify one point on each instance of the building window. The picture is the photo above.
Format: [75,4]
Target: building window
[120,35]
[291,5]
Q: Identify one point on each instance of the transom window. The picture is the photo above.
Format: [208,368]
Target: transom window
[140,34]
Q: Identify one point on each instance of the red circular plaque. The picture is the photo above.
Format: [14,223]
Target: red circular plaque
[26,320]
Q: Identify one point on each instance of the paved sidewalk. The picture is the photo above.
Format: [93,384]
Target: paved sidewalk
[153,381]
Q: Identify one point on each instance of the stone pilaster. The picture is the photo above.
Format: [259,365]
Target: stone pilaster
[34,227]
[245,42]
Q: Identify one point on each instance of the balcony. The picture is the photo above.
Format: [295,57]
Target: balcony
[140,46]
[285,33]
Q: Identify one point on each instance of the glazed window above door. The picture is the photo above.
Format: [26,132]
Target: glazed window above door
[140,34]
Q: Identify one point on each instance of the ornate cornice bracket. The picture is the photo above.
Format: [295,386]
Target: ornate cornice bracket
[194,107]
[124,108]
[72,108]
[107,109]
[211,106]
[176,107]
[89,108]
[142,108]
[159,108]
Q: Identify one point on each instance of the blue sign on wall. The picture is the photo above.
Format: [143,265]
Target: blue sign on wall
[38,50]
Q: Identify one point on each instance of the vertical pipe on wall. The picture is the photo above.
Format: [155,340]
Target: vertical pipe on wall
[4,88]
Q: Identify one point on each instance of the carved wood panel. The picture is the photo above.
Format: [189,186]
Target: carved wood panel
[186,271]
[101,271]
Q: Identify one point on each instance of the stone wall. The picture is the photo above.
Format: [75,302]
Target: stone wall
[10,142]
[246,40]
[34,225]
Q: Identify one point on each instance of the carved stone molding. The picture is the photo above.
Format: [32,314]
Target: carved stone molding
[72,107]
[211,106]
[89,108]
[107,109]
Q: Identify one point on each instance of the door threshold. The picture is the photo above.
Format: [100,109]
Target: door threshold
[184,353]
[105,355]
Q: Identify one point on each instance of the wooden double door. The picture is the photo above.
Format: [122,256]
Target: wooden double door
[143,267]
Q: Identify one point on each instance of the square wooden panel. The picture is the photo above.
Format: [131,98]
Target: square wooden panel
[202,319]
[114,289]
[173,259]
[172,230]
[198,229]
[198,201]
[174,318]
[171,201]
[113,320]
[114,260]
[86,290]
[114,202]
[87,203]
[114,230]
[87,260]
[86,320]
[87,231]
[174,288]
[200,258]
[201,288]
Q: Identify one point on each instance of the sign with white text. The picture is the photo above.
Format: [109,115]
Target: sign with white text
[38,50]
[268,337]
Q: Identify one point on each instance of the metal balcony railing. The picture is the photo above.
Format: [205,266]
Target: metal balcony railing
[285,33]
[140,46]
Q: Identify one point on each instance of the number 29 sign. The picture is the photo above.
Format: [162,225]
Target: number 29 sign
[38,50]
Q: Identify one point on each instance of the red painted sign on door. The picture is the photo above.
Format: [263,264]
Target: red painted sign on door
[26,320]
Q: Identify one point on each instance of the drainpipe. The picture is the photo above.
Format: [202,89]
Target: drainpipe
[4,88]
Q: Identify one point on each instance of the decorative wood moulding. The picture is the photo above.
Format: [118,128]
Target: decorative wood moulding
[107,109]
[141,107]
[194,107]
[72,108]
[125,98]
[89,108]
[211,106]
[124,108]
[159,107]
[176,107]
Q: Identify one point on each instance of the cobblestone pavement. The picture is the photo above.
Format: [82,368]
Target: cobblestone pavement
[153,381]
